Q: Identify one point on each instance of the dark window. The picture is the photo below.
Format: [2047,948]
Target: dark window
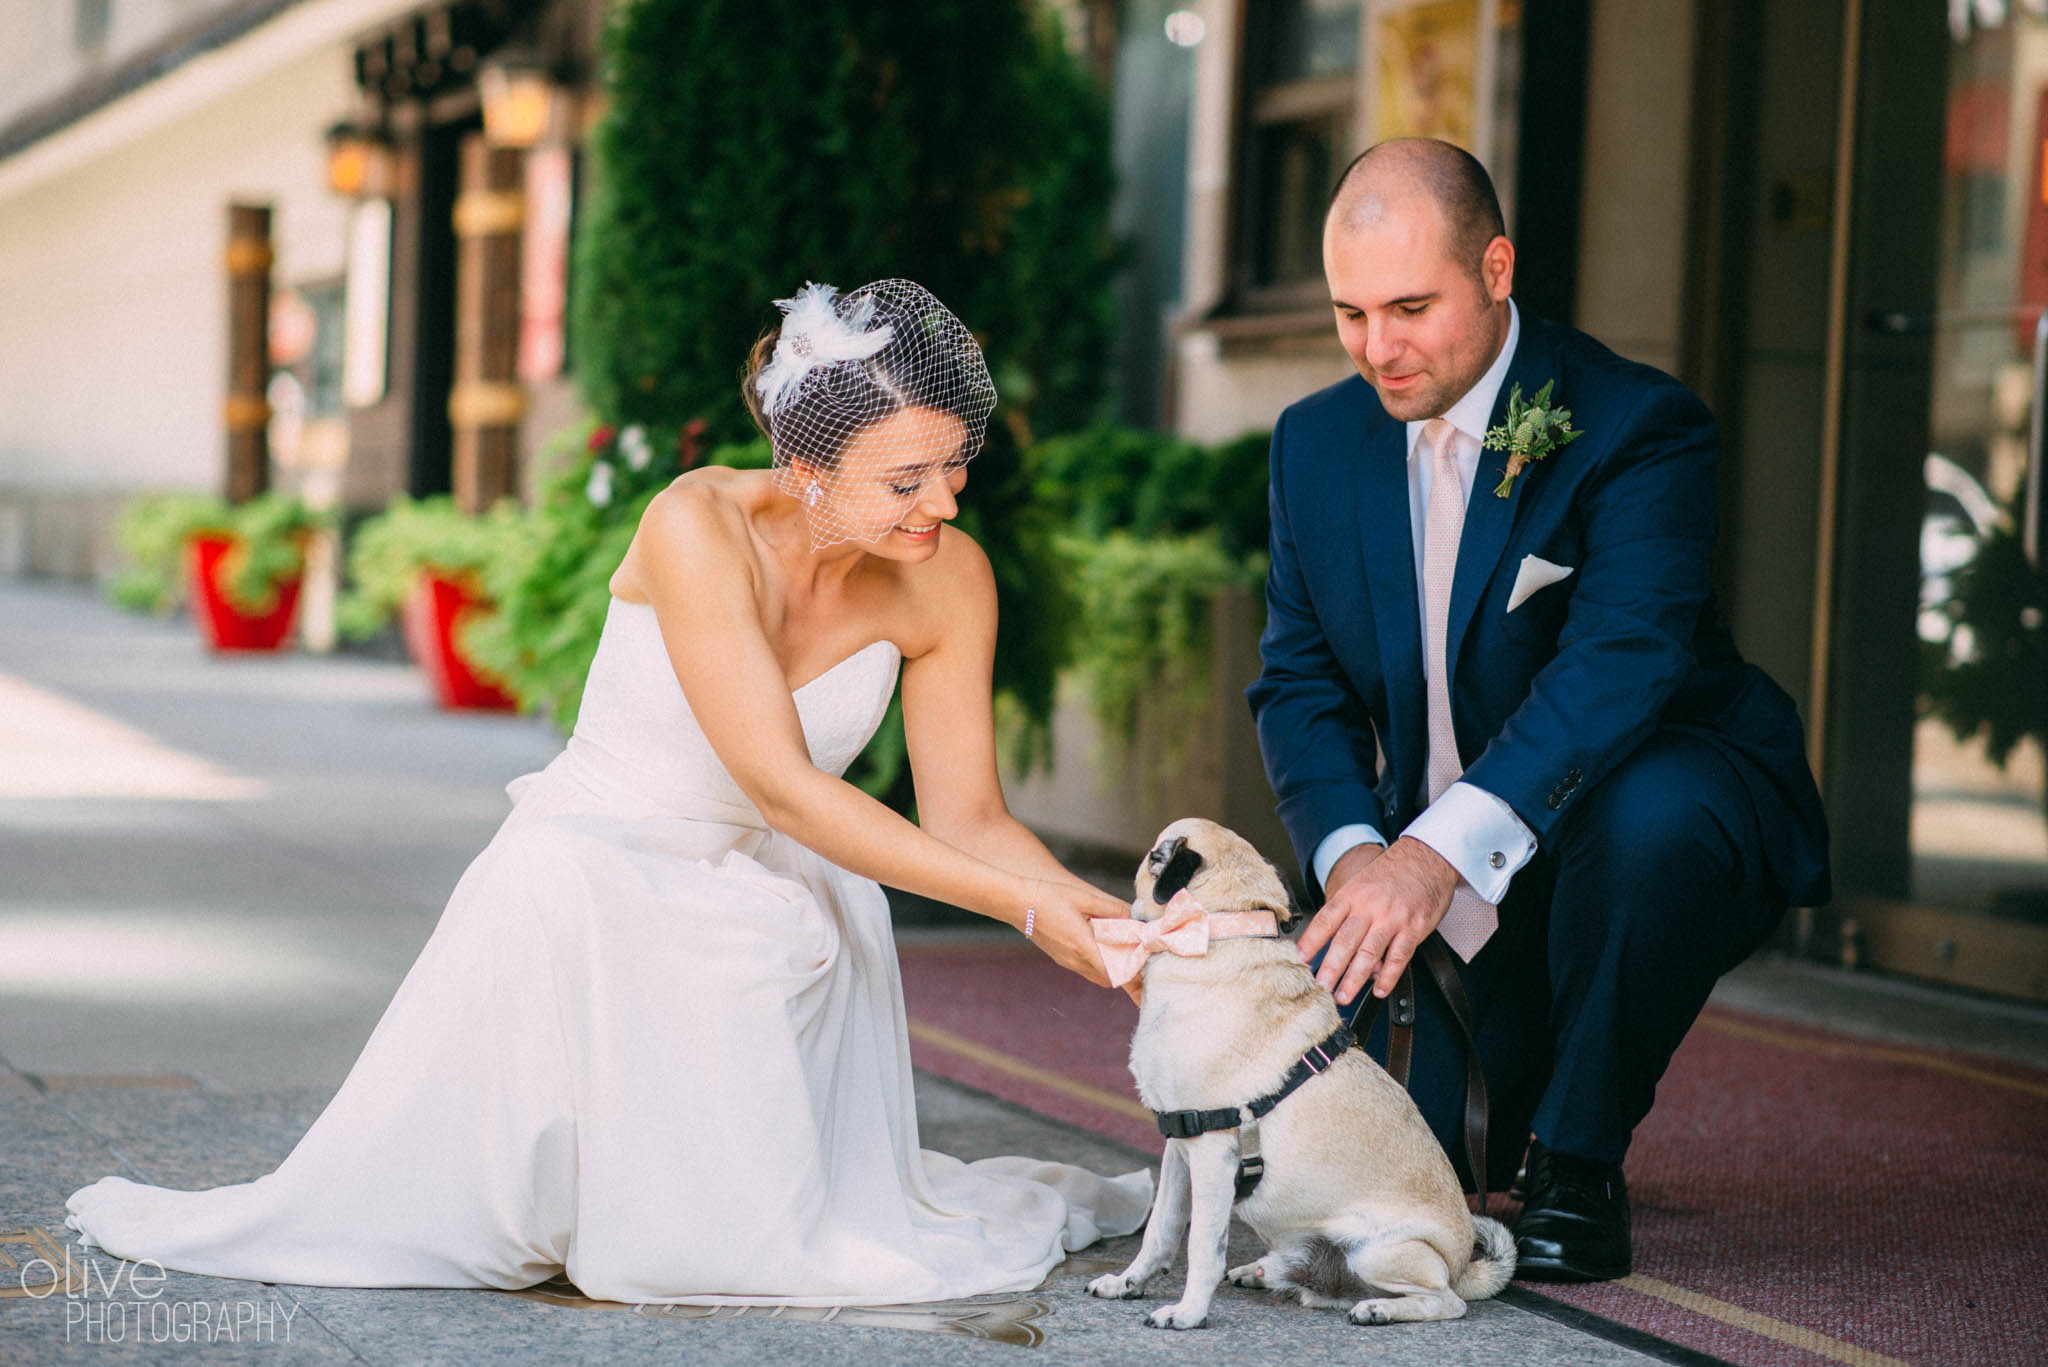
[1301,94]
[1304,38]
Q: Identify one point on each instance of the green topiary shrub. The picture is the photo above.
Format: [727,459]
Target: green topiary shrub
[1109,478]
[750,146]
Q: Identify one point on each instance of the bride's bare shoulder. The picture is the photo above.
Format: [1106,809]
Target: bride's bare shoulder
[699,521]
[952,593]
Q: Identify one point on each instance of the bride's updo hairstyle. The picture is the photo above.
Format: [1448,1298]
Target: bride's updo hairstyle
[838,366]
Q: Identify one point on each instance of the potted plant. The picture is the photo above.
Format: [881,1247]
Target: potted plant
[240,564]
[426,562]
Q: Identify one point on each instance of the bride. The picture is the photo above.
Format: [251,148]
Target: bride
[657,1038]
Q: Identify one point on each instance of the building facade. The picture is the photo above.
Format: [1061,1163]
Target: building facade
[1826,216]
[416,270]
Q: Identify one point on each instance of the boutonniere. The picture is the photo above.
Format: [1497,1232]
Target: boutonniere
[1532,431]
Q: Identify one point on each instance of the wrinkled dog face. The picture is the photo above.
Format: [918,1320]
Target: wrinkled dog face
[1217,866]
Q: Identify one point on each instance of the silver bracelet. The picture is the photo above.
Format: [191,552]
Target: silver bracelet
[1030,921]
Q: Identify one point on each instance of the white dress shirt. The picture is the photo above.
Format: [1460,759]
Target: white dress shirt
[1477,834]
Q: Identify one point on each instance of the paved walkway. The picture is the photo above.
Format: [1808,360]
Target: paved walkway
[213,872]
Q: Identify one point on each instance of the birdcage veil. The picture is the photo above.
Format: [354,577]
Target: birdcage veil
[843,363]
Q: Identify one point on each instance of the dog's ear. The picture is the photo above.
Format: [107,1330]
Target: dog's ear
[1173,865]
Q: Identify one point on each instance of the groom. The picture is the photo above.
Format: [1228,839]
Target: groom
[1497,701]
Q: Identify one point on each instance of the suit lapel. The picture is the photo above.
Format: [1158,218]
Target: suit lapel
[1489,519]
[1387,544]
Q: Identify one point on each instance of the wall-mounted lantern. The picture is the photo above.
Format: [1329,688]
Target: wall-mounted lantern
[518,92]
[358,161]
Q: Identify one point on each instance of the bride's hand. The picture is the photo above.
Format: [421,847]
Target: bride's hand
[1060,927]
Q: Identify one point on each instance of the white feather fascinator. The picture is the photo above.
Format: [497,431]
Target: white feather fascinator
[815,333]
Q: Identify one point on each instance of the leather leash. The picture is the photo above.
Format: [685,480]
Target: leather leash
[1436,956]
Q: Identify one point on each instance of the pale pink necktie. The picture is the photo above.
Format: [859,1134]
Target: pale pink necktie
[1469,921]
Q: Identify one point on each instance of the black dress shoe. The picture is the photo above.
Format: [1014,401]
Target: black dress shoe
[1574,1227]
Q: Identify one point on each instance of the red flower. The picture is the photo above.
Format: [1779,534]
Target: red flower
[689,443]
[602,438]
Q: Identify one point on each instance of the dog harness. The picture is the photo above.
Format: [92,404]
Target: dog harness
[1174,864]
[1250,1166]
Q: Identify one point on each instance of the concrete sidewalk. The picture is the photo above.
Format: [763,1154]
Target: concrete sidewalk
[214,872]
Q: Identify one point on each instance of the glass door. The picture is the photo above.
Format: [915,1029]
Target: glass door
[1979,824]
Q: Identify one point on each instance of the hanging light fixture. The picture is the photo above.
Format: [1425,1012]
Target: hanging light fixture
[518,92]
[358,160]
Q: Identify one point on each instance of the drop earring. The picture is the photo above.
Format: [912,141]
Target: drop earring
[813,494]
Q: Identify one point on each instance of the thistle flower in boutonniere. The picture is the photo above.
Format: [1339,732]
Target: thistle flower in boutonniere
[1532,431]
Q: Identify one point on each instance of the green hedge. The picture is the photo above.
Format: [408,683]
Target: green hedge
[752,145]
[1153,529]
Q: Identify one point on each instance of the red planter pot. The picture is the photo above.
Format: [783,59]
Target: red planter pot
[428,621]
[225,626]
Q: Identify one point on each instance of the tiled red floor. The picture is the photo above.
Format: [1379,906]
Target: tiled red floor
[1889,1199]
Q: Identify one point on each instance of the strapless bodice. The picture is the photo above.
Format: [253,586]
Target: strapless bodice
[637,741]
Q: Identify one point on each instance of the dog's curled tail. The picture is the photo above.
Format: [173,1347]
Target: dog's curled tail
[1493,1261]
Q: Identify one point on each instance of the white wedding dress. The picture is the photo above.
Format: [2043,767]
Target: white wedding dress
[651,1043]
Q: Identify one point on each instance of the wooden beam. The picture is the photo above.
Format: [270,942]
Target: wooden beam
[486,404]
[246,413]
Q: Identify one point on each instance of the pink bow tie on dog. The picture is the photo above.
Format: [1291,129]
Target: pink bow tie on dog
[1185,929]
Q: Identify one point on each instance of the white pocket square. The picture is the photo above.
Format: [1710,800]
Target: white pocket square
[1535,573]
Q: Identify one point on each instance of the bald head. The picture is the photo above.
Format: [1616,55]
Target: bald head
[1420,273]
[1395,179]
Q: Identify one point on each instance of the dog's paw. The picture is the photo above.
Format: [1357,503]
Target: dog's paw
[1251,1276]
[1370,1312]
[1174,1317]
[1115,1286]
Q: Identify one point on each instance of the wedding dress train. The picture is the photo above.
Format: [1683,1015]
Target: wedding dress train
[651,1043]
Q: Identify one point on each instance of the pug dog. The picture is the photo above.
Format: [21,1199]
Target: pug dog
[1358,1204]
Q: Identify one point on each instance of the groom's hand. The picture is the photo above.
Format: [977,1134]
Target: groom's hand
[1382,904]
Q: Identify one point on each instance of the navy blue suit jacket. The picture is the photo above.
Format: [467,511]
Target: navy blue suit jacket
[1546,699]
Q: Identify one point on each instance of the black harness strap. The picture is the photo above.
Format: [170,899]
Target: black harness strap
[1250,1168]
[1318,1059]
[1188,1124]
[1434,955]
